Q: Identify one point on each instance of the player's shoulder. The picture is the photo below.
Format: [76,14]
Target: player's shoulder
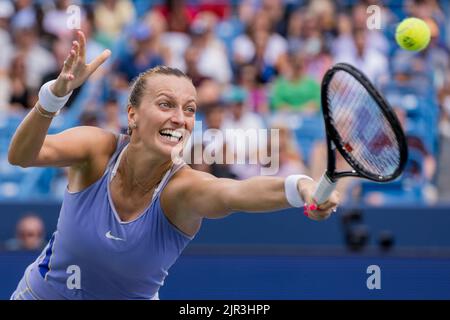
[185,178]
[187,173]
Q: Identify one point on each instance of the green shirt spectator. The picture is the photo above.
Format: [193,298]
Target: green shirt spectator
[295,90]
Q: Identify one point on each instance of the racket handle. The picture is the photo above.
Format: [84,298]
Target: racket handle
[324,189]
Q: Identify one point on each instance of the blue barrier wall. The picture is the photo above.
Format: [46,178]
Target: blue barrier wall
[197,276]
[414,226]
[286,256]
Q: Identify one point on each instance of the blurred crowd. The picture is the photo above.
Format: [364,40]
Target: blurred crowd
[255,63]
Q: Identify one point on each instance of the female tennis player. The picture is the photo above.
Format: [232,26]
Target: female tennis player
[129,210]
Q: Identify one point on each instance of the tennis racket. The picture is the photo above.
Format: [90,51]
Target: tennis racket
[362,127]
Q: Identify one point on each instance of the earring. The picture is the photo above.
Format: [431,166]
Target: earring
[130,128]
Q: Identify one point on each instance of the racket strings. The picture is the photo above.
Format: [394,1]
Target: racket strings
[366,133]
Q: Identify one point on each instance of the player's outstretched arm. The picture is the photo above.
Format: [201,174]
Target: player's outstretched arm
[30,145]
[198,193]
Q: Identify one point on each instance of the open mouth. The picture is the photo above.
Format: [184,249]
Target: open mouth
[171,135]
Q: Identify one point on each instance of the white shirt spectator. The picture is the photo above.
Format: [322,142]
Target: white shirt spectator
[177,43]
[213,62]
[244,48]
[372,63]
[39,62]
[56,23]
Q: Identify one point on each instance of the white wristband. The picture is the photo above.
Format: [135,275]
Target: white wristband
[48,101]
[291,190]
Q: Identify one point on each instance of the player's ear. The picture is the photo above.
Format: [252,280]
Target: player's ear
[131,113]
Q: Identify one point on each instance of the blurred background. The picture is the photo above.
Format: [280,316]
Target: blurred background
[256,64]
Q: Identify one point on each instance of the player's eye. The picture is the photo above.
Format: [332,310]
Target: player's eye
[191,109]
[164,104]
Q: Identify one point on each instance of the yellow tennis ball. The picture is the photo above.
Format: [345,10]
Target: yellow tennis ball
[413,34]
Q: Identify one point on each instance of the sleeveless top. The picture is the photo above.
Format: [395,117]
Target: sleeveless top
[95,255]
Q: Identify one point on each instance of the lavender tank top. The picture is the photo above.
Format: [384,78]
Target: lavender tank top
[94,255]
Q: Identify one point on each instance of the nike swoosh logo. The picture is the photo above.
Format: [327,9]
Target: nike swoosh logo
[110,236]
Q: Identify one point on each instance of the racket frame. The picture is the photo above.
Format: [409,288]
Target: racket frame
[334,140]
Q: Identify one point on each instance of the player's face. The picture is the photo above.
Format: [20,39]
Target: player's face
[166,115]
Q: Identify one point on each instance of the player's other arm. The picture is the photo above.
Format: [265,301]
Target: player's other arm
[205,196]
[31,146]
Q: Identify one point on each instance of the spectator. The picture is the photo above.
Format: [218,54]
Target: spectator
[178,15]
[197,162]
[6,12]
[30,233]
[214,148]
[212,60]
[276,11]
[295,91]
[191,57]
[262,47]
[257,94]
[242,127]
[428,9]
[427,170]
[324,12]
[436,55]
[304,34]
[214,115]
[38,61]
[375,39]
[289,156]
[21,97]
[208,93]
[359,54]
[443,177]
[171,45]
[89,118]
[295,30]
[141,56]
[56,20]
[111,116]
[111,17]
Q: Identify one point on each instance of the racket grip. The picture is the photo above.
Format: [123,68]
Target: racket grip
[324,189]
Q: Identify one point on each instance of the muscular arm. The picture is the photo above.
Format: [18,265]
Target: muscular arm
[202,195]
[32,147]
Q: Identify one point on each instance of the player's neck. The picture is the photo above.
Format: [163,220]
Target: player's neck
[140,172]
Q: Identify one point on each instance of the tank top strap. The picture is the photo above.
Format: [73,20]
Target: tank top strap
[122,141]
[173,169]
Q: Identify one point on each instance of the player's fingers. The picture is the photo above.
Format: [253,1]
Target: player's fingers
[67,76]
[76,48]
[99,60]
[82,41]
[332,202]
[318,215]
[328,205]
[68,63]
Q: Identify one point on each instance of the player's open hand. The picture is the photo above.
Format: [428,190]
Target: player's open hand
[75,70]
[312,209]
